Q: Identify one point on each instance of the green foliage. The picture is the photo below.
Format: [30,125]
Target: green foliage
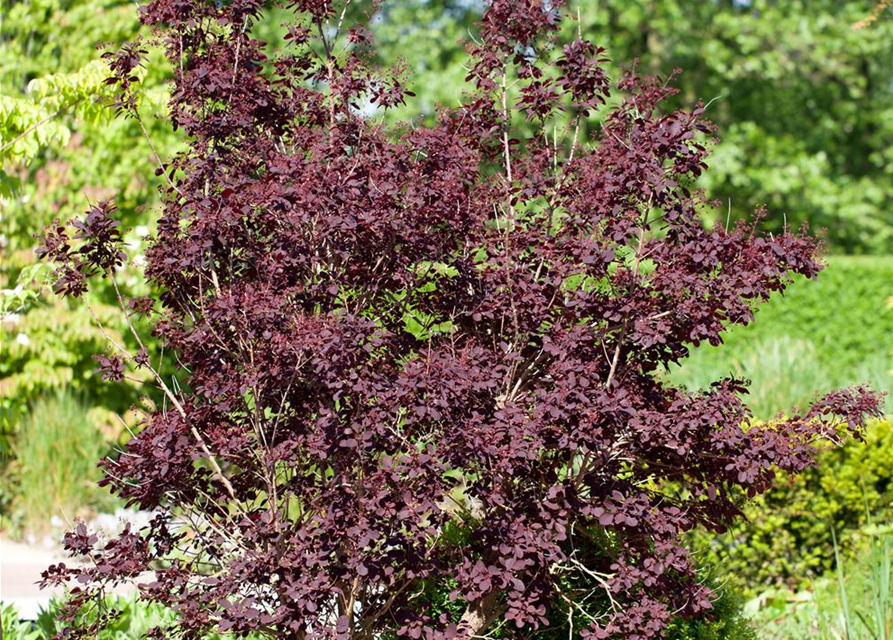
[50,350]
[46,348]
[835,331]
[846,313]
[52,78]
[872,619]
[78,155]
[802,100]
[726,622]
[61,151]
[428,34]
[33,122]
[782,614]
[55,472]
[786,540]
[12,628]
[134,619]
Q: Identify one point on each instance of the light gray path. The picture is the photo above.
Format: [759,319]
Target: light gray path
[20,569]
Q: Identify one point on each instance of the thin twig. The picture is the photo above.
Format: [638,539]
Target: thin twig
[139,119]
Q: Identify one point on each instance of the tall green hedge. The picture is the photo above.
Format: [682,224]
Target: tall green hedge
[846,313]
[822,334]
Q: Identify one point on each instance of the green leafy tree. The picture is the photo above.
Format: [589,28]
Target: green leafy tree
[804,100]
[60,149]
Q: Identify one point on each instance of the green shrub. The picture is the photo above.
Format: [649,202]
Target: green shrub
[786,540]
[846,313]
[12,628]
[782,614]
[726,622]
[133,621]
[56,449]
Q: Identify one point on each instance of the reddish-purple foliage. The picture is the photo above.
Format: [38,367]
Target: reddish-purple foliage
[422,369]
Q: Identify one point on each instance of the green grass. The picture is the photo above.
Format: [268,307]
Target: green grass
[56,449]
[784,372]
[819,336]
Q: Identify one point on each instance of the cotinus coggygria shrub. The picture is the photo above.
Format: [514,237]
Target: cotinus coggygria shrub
[421,384]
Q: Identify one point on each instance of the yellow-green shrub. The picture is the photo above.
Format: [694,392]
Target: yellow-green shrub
[787,538]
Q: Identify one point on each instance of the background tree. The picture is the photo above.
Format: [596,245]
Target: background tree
[60,149]
[803,99]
